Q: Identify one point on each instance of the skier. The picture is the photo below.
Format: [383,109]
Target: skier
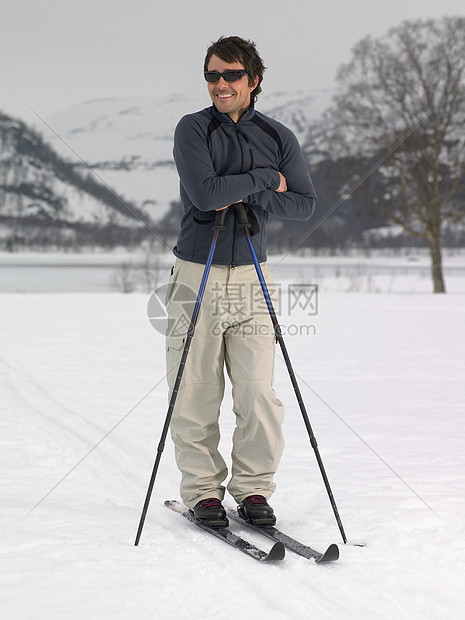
[226,154]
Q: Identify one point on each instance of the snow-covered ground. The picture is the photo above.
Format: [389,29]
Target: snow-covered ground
[83,400]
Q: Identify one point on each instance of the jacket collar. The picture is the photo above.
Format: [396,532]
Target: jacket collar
[224,118]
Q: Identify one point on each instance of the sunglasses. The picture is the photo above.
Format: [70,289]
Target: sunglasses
[232,75]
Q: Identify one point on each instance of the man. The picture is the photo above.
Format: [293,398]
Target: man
[227,154]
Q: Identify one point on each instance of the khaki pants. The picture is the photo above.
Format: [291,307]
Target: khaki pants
[234,329]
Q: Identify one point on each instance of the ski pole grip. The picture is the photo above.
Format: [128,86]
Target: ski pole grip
[242,215]
[219,219]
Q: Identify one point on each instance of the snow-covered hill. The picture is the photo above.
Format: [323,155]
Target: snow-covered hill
[98,161]
[35,182]
[129,141]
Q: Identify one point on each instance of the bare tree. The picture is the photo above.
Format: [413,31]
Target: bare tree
[401,111]
[125,278]
[151,265]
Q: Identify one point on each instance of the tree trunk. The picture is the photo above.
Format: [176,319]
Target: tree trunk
[436,263]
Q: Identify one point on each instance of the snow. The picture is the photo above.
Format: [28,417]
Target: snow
[159,186]
[83,404]
[128,141]
[117,129]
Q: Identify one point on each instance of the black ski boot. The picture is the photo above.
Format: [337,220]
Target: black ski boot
[256,510]
[210,512]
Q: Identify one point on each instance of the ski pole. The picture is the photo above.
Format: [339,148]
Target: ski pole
[217,227]
[245,224]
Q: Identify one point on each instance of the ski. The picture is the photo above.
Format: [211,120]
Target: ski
[330,555]
[276,553]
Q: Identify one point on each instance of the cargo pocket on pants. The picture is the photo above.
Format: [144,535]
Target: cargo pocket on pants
[174,349]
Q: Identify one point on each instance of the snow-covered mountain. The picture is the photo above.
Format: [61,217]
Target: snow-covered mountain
[129,141]
[39,190]
[98,162]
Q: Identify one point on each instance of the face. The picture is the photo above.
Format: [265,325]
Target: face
[231,98]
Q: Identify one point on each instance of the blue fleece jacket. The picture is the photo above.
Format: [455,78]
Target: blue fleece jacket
[220,162]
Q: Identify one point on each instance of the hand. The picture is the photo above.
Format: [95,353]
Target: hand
[283,185]
[221,208]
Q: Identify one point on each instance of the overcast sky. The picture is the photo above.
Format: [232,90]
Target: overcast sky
[56,53]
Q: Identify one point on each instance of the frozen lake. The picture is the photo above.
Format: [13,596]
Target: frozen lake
[97,272]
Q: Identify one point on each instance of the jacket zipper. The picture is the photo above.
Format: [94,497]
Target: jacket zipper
[238,134]
[233,266]
[242,169]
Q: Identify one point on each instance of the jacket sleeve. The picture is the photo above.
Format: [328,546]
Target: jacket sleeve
[206,189]
[298,202]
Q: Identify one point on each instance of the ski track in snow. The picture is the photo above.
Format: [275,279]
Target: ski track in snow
[391,367]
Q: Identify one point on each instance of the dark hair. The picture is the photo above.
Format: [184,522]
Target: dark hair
[236,49]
